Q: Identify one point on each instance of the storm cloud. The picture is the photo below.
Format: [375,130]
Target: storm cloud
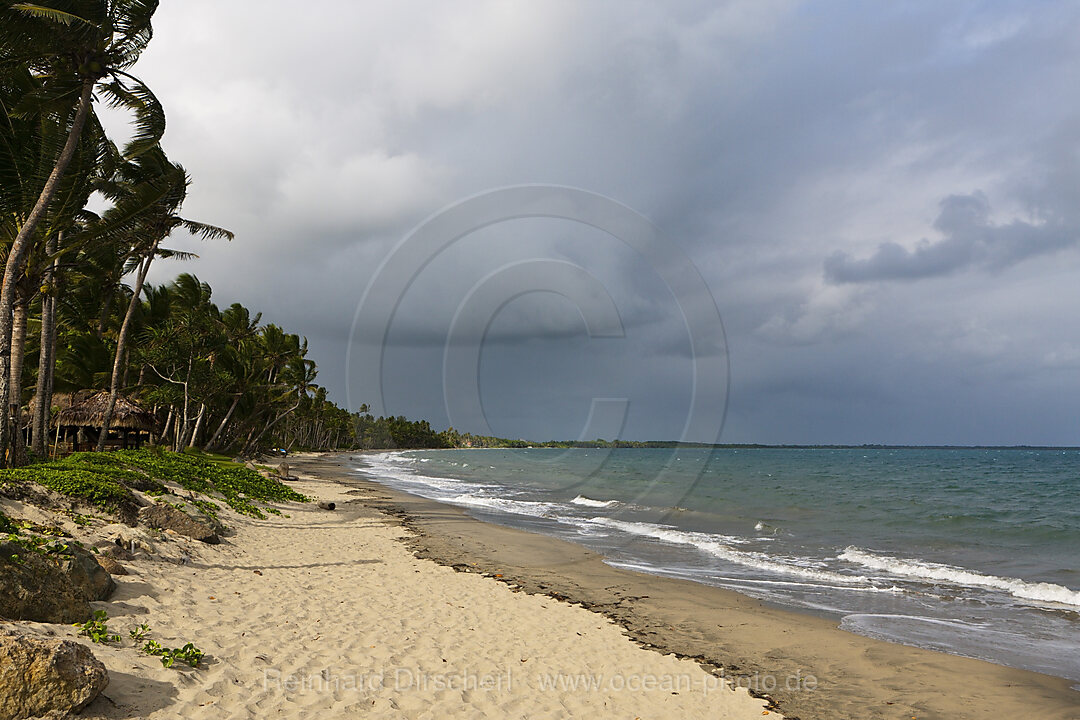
[881,199]
[969,238]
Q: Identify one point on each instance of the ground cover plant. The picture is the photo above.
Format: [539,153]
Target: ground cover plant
[97,628]
[106,480]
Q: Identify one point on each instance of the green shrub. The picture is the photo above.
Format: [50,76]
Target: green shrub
[97,629]
[96,488]
[188,653]
[238,485]
[139,632]
[40,545]
[104,480]
[110,466]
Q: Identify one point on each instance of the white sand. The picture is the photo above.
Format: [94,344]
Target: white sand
[344,621]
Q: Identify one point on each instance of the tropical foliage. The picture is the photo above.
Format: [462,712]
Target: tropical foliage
[76,311]
[106,480]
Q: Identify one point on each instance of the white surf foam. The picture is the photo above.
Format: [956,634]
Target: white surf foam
[589,502]
[923,570]
[397,467]
[720,546]
[516,507]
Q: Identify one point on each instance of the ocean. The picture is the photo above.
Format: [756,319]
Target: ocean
[975,552]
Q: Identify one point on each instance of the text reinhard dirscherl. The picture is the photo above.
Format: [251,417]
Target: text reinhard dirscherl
[417,680]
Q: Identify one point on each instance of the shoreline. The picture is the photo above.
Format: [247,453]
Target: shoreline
[804,664]
[317,613]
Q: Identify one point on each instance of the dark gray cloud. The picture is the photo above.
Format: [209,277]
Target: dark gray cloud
[969,238]
[798,152]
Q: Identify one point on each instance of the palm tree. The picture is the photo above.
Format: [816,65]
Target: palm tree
[239,361]
[46,353]
[157,222]
[71,48]
[28,145]
[182,350]
[297,380]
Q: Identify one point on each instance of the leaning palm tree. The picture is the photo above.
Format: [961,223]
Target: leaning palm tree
[296,381]
[28,147]
[239,362]
[72,48]
[152,174]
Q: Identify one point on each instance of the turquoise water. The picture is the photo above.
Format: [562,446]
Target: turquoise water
[970,551]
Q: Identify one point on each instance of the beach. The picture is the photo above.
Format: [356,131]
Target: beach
[804,663]
[396,606]
[330,614]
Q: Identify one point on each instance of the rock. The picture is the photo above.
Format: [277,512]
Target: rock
[87,574]
[163,516]
[114,551]
[46,676]
[111,566]
[123,547]
[145,546]
[142,483]
[326,505]
[33,587]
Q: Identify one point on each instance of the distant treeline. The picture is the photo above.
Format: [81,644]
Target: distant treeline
[420,435]
[452,438]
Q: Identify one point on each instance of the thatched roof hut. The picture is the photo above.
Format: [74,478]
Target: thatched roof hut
[127,414]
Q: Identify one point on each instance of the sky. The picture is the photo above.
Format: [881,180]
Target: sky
[879,200]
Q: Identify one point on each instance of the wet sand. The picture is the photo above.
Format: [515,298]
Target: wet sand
[807,667]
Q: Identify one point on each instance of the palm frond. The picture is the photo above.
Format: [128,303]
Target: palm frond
[181,255]
[56,97]
[48,13]
[124,217]
[206,232]
[134,28]
[149,120]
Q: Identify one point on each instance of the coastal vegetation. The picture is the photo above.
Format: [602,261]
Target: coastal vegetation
[97,628]
[188,653]
[107,481]
[82,218]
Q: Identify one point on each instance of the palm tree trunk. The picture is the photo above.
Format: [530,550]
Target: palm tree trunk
[168,424]
[198,425]
[103,315]
[121,344]
[50,376]
[18,352]
[182,429]
[247,441]
[21,246]
[43,409]
[252,443]
[224,421]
